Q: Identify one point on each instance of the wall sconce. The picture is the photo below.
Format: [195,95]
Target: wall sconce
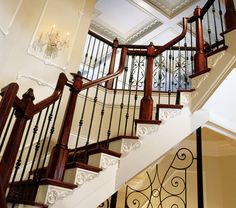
[51,43]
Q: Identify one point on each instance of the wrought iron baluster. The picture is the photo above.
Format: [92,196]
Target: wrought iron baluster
[215,26]
[136,66]
[122,99]
[172,71]
[112,110]
[166,71]
[186,64]
[91,58]
[104,98]
[45,135]
[37,146]
[221,20]
[100,61]
[80,126]
[129,96]
[169,76]
[86,55]
[51,131]
[7,129]
[19,160]
[209,32]
[179,67]
[35,130]
[92,114]
[96,58]
[191,40]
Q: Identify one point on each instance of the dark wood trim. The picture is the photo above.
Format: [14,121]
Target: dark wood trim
[142,121]
[110,76]
[216,51]
[28,202]
[83,166]
[199,73]
[62,80]
[9,94]
[229,30]
[200,60]
[59,155]
[230,14]
[146,105]
[9,156]
[90,32]
[175,40]
[199,168]
[106,151]
[109,83]
[174,106]
[49,181]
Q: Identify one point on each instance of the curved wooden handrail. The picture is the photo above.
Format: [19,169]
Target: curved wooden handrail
[62,80]
[110,76]
[9,95]
[175,40]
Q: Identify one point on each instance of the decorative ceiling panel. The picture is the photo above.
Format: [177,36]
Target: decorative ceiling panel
[171,7]
[128,22]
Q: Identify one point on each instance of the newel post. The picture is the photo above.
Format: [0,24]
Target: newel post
[200,60]
[23,114]
[109,83]
[60,152]
[146,106]
[230,14]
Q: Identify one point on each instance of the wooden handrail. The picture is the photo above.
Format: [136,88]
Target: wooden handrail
[100,38]
[175,40]
[110,76]
[9,94]
[55,95]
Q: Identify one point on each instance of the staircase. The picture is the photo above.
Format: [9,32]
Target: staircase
[105,137]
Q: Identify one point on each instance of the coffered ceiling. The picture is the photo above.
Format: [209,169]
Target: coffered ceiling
[141,21]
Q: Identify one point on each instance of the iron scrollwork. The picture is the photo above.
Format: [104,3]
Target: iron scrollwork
[168,189]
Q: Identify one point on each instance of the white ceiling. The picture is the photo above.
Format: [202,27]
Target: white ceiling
[141,21]
[158,21]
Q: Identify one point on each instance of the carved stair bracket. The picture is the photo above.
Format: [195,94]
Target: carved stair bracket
[146,129]
[197,81]
[186,97]
[102,160]
[79,176]
[49,194]
[168,113]
[213,60]
[124,146]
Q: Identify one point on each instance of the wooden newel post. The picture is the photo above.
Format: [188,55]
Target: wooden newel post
[200,60]
[230,14]
[146,106]
[23,113]
[59,154]
[109,83]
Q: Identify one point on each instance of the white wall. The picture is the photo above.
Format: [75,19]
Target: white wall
[21,24]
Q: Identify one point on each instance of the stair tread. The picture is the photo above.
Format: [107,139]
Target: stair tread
[185,90]
[176,106]
[157,122]
[83,166]
[103,143]
[48,181]
[106,151]
[27,202]
[199,73]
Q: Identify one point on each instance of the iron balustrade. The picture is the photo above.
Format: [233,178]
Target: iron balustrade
[145,73]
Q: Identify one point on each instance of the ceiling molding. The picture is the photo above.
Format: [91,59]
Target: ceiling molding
[137,34]
[168,11]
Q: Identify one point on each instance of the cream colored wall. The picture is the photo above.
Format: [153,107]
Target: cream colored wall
[21,24]
[218,176]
